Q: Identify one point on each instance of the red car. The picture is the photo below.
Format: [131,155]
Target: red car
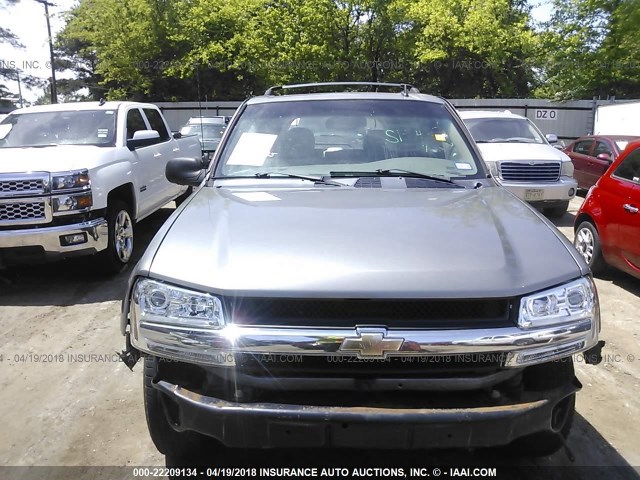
[607,226]
[592,155]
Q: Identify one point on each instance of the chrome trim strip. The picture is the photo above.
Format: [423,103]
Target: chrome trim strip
[216,347]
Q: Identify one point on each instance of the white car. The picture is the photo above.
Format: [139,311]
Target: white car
[522,160]
[76,177]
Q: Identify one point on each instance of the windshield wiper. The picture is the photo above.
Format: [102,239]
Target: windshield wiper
[301,177]
[396,172]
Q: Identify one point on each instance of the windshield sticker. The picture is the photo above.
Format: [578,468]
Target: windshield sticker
[103,132]
[463,166]
[256,196]
[5,129]
[252,149]
[109,112]
[440,137]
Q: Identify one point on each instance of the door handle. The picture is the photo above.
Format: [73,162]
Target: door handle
[156,155]
[630,208]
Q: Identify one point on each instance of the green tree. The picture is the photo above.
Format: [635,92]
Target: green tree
[591,47]
[472,48]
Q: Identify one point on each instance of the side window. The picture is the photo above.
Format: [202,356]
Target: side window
[583,147]
[602,147]
[135,122]
[155,120]
[629,169]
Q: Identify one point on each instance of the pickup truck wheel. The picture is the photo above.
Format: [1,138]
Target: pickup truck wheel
[120,244]
[587,242]
[177,446]
[546,443]
[558,211]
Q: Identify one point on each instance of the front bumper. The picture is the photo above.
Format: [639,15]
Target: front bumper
[562,190]
[48,242]
[276,425]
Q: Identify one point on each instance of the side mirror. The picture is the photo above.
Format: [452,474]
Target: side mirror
[551,138]
[604,156]
[185,171]
[143,138]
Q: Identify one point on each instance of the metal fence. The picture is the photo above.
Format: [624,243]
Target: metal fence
[568,120]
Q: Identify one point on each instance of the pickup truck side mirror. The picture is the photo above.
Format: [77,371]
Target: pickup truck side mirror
[143,138]
[604,156]
[552,138]
[185,171]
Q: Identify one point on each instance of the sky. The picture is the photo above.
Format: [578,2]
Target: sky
[27,20]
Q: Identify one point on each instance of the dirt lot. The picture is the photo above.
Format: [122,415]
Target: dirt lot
[77,405]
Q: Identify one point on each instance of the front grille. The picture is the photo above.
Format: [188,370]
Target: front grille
[403,313]
[22,211]
[525,172]
[21,186]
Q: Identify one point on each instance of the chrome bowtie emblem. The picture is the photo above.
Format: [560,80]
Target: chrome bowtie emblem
[371,343]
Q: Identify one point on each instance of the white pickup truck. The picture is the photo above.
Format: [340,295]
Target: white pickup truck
[75,178]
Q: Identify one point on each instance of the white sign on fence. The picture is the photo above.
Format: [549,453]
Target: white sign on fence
[546,114]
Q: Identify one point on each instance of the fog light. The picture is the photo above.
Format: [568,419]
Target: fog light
[73,239]
[572,192]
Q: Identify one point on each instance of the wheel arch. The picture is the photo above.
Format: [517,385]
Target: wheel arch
[126,193]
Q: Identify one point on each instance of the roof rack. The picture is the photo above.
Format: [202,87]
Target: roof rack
[406,88]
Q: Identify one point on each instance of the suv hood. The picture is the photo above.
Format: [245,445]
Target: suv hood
[359,243]
[498,152]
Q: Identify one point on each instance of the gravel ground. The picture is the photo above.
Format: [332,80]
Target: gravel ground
[77,405]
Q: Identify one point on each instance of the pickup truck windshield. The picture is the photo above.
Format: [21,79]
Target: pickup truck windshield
[71,127]
[334,137]
[502,130]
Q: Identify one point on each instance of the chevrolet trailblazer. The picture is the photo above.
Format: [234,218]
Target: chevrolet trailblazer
[347,273]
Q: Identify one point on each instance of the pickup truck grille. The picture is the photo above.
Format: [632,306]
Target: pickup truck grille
[10,212]
[395,313]
[525,172]
[22,186]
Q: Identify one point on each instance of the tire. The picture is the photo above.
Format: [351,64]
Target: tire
[180,200]
[542,444]
[178,447]
[587,242]
[558,211]
[120,243]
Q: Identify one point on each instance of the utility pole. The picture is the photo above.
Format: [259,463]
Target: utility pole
[54,92]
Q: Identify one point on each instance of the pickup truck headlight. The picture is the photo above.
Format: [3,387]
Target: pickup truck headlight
[78,180]
[573,301]
[567,169]
[72,202]
[159,302]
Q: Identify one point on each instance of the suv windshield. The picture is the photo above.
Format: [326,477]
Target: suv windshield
[79,127]
[327,137]
[497,130]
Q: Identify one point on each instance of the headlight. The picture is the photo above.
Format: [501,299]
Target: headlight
[72,202]
[70,181]
[159,302]
[573,301]
[567,169]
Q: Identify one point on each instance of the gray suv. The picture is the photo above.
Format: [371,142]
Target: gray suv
[347,273]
